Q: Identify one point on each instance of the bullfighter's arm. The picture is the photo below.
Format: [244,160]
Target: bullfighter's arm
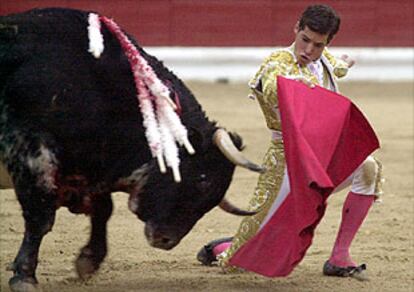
[339,65]
[264,86]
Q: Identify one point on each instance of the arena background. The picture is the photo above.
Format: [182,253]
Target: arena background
[215,46]
[227,39]
[366,23]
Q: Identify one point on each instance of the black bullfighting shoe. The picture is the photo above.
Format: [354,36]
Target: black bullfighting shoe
[206,256]
[356,272]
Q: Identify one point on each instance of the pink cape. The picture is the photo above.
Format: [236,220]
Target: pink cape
[326,138]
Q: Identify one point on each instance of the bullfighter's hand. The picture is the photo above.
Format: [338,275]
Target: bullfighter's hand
[305,81]
[348,60]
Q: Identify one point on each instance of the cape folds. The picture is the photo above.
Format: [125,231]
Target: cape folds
[326,138]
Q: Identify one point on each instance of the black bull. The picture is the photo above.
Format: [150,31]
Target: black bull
[71,134]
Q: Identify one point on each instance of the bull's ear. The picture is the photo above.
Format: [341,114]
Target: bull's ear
[199,140]
[237,140]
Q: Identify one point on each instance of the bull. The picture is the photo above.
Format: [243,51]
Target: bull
[71,134]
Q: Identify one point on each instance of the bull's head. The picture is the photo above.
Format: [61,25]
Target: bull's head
[171,209]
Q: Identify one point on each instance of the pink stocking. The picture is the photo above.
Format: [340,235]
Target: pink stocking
[354,211]
[218,249]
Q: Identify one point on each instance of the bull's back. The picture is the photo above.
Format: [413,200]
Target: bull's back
[56,86]
[53,80]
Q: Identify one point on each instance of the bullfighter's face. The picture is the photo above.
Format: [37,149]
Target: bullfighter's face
[309,45]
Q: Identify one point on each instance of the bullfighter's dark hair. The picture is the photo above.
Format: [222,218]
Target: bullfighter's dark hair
[322,19]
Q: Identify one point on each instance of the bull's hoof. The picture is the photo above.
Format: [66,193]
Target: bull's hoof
[86,266]
[17,284]
[11,267]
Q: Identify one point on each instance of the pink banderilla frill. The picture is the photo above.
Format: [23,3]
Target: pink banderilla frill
[162,125]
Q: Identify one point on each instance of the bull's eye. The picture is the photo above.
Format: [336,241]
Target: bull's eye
[202,183]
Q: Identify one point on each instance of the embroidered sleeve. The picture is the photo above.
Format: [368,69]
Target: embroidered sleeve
[340,67]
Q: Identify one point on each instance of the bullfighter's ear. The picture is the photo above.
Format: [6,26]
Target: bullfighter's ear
[237,140]
[8,32]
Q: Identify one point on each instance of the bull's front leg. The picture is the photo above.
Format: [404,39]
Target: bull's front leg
[39,210]
[30,157]
[94,252]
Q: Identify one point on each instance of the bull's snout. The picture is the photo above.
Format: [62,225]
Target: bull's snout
[158,239]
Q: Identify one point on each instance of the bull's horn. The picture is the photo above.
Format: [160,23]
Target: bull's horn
[230,208]
[223,141]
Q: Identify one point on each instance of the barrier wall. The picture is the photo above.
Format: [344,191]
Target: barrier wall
[365,23]
[227,39]
[239,64]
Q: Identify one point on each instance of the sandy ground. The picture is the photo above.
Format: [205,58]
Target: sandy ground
[385,241]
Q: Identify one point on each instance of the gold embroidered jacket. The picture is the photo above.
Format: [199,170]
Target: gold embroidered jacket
[283,62]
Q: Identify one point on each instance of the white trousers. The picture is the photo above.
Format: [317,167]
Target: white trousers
[362,181]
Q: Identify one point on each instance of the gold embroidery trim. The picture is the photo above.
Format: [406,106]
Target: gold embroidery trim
[265,194]
[379,181]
